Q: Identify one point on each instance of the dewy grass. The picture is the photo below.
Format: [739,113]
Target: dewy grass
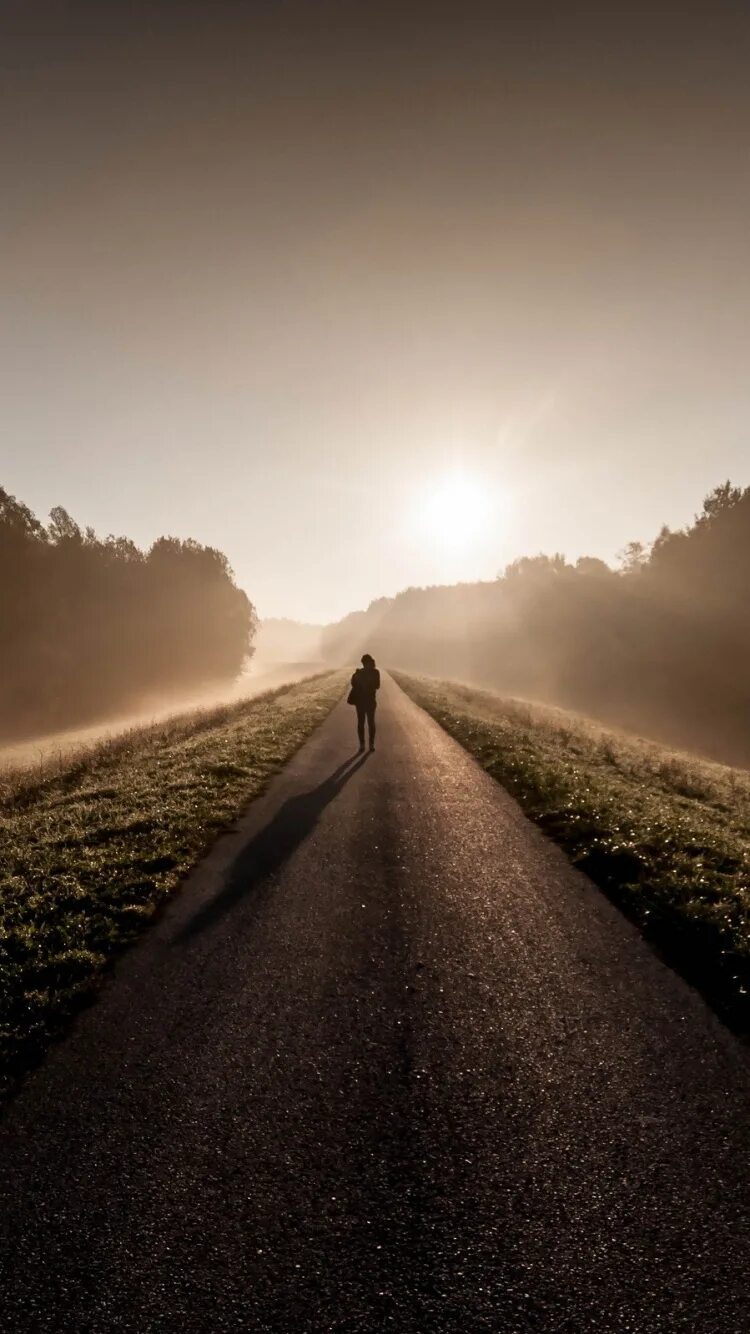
[90,851]
[666,835]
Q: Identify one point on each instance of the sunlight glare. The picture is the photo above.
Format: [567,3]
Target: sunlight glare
[455,510]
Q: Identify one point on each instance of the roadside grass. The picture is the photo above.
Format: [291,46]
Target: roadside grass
[90,848]
[666,835]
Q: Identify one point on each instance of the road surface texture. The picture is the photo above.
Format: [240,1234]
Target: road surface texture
[387,1063]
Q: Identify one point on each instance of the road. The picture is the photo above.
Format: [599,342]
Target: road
[386,1063]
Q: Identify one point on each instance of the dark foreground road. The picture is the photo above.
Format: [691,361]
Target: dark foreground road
[387,1064]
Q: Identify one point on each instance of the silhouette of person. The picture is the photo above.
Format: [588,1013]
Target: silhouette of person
[365,685]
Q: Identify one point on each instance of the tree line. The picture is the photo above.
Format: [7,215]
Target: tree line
[660,645]
[91,625]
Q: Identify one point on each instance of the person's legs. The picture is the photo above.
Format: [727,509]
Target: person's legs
[361,726]
[371,726]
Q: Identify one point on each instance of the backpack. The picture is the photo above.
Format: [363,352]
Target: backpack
[353,695]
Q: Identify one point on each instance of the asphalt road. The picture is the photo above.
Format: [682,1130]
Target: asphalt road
[387,1063]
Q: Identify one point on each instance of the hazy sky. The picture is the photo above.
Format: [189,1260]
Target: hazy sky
[271,271]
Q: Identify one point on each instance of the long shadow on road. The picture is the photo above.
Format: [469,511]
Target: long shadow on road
[271,847]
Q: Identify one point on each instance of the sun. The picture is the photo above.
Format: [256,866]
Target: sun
[454,510]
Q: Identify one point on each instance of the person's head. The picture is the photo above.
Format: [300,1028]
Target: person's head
[368,660]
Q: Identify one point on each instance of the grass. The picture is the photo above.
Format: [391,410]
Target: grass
[91,848]
[664,834]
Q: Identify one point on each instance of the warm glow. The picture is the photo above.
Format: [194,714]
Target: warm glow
[455,510]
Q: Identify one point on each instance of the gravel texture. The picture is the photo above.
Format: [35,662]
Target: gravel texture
[386,1063]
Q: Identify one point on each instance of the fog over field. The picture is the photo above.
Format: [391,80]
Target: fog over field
[308,307]
[280,640]
[47,749]
[659,645]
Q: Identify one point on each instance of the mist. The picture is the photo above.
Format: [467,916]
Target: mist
[100,636]
[272,273]
[660,645]
[280,640]
[93,627]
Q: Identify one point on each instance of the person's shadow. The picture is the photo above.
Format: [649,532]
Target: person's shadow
[271,847]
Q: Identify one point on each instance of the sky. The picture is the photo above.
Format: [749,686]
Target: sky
[374,295]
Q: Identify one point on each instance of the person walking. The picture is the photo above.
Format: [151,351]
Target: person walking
[365,685]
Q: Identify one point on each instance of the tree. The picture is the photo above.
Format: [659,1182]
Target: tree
[18,518]
[537,566]
[633,557]
[89,625]
[719,502]
[591,565]
[62,528]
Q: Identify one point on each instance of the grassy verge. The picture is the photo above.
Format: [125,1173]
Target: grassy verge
[666,835]
[89,851]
